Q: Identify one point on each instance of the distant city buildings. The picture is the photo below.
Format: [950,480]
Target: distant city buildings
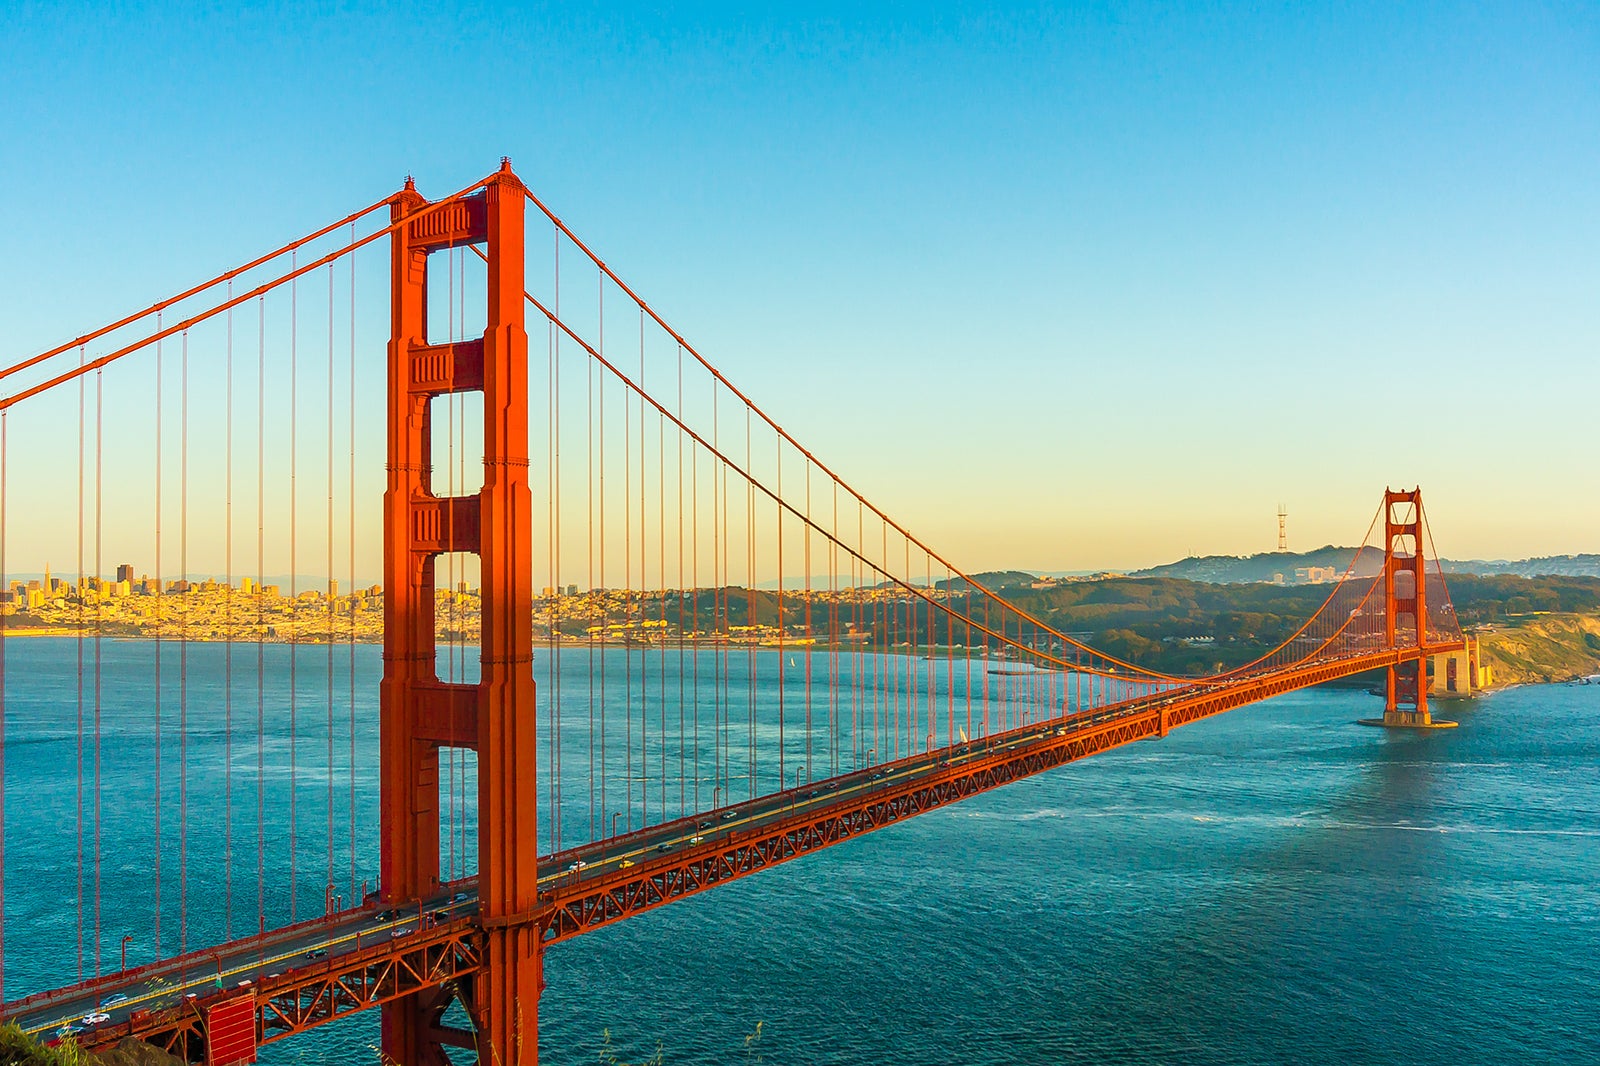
[1308,575]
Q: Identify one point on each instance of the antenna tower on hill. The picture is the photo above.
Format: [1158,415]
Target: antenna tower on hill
[1283,532]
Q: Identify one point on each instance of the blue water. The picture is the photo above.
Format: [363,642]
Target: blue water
[1277,885]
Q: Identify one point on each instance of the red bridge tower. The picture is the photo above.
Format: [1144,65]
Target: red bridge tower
[1405,592]
[495,717]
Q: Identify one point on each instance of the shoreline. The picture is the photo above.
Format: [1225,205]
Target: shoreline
[809,648]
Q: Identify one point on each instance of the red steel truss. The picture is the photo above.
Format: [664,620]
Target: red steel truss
[304,998]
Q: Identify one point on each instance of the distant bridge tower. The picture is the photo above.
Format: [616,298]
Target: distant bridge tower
[1283,530]
[495,717]
[1405,589]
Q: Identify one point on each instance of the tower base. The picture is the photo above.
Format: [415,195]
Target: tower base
[1407,720]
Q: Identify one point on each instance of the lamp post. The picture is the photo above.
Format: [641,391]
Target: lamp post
[125,942]
[615,815]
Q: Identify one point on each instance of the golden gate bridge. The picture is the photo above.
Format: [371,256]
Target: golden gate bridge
[637,640]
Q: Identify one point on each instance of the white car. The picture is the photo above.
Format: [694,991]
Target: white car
[577,865]
[96,1018]
[696,839]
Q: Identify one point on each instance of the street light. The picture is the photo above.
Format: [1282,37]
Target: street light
[615,815]
[125,941]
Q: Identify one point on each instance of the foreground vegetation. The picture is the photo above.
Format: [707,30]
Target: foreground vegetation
[19,1049]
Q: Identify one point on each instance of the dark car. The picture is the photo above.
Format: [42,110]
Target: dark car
[317,953]
[386,916]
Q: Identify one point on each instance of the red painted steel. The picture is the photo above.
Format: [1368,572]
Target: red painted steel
[231,1031]
[407,968]
[495,717]
[507,993]
[1406,682]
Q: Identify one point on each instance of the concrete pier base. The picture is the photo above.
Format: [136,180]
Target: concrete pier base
[1407,720]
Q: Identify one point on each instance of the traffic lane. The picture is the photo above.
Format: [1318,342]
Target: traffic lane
[768,810]
[166,988]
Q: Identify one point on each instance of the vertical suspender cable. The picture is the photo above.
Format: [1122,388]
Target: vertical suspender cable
[552,602]
[330,590]
[644,651]
[661,577]
[805,562]
[552,605]
[683,735]
[227,648]
[261,620]
[718,626]
[183,654]
[453,786]
[636,608]
[557,774]
[605,599]
[99,456]
[595,815]
[777,521]
[80,592]
[834,726]
[750,613]
[461,480]
[156,856]
[694,582]
[294,588]
[351,667]
[627,580]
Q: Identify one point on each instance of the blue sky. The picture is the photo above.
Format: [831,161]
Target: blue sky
[1060,288]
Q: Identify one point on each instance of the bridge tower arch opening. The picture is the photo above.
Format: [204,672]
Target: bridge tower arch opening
[494,717]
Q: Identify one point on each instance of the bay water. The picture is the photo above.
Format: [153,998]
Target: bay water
[1275,885]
